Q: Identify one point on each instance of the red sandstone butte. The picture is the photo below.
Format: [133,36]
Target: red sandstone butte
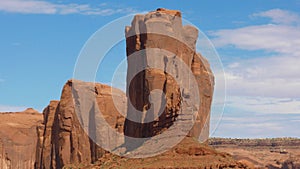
[163,30]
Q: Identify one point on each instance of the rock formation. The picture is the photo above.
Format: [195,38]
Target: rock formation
[18,138]
[187,154]
[63,140]
[175,80]
[45,144]
[163,30]
[167,82]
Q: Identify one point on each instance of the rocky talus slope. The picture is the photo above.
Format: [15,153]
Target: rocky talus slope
[188,154]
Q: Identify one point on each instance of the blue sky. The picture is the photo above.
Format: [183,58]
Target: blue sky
[258,43]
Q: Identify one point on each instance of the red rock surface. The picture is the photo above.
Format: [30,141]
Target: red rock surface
[189,154]
[64,140]
[163,30]
[45,145]
[68,142]
[18,137]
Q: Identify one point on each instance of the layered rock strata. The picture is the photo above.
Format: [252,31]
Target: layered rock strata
[65,138]
[162,56]
[18,138]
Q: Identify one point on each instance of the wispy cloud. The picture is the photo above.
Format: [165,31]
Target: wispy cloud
[265,77]
[265,105]
[7,108]
[262,90]
[270,37]
[270,75]
[44,7]
[255,129]
[246,124]
[279,16]
[278,36]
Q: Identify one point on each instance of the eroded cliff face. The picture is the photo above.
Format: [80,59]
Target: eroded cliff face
[45,144]
[18,139]
[5,162]
[159,39]
[64,138]
[72,129]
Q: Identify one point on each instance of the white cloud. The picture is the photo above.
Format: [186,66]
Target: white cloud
[270,37]
[254,129]
[265,105]
[282,35]
[244,124]
[280,16]
[6,108]
[44,7]
[258,126]
[263,91]
[276,75]
[265,77]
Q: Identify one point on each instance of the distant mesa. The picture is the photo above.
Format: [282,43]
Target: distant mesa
[30,111]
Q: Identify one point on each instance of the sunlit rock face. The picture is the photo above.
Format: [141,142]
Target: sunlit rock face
[161,53]
[158,96]
[18,138]
[72,130]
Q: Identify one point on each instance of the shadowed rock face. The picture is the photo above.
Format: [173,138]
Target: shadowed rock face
[174,57]
[18,137]
[63,139]
[45,143]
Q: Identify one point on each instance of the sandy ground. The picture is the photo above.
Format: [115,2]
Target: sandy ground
[262,156]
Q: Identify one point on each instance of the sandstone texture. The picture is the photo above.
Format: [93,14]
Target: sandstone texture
[161,52]
[175,84]
[18,138]
[188,154]
[63,139]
